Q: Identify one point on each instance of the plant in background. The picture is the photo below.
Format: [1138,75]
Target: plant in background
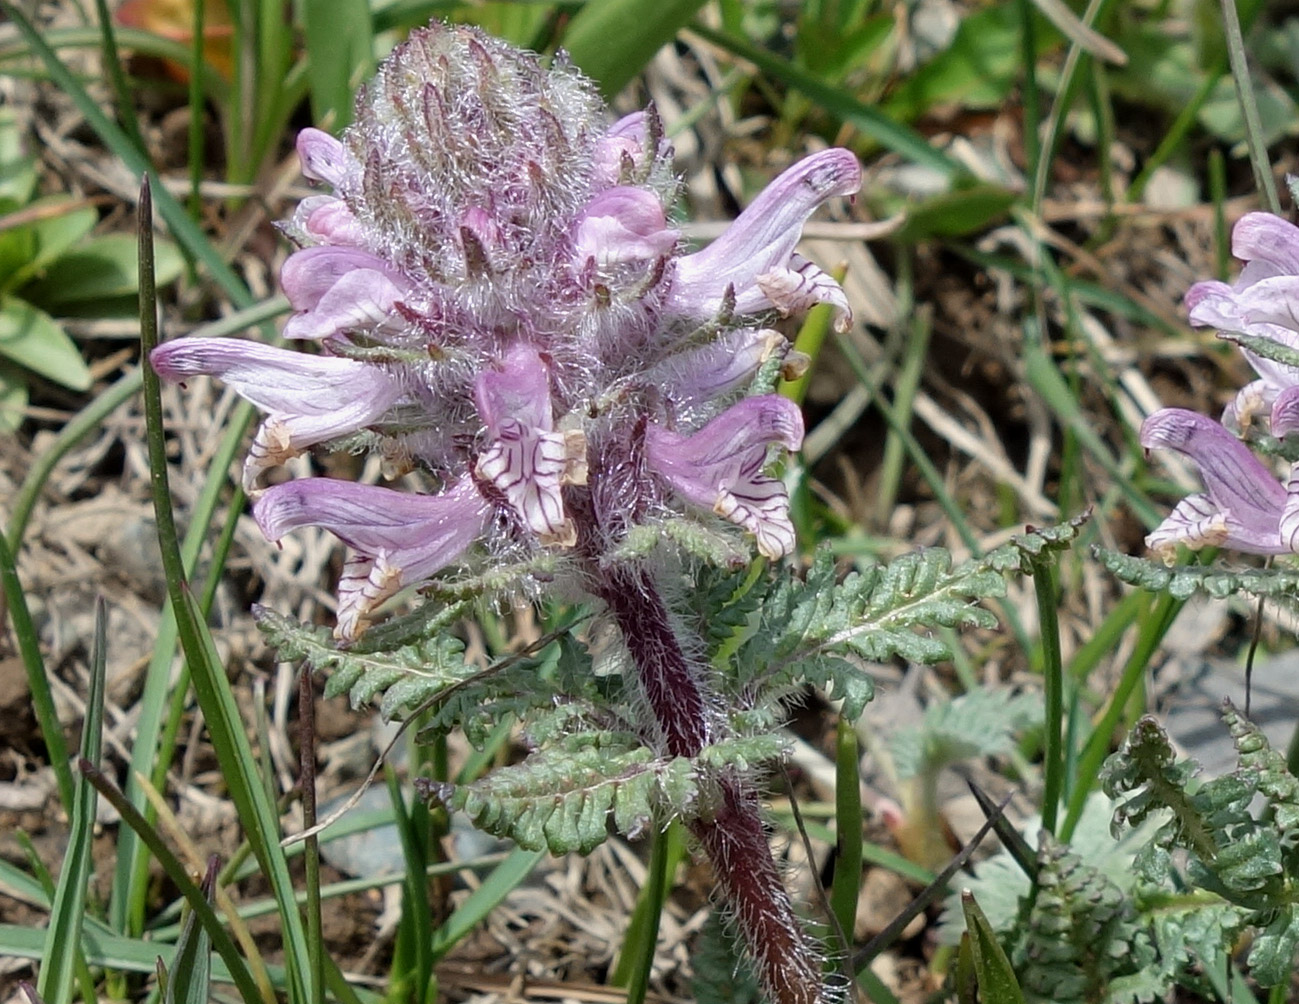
[582,411]
[50,266]
[1214,869]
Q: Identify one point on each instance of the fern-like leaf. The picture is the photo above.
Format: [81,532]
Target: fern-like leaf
[1184,581]
[1082,935]
[1258,758]
[564,796]
[877,612]
[561,798]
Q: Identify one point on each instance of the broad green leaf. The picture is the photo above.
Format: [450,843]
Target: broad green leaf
[17,173]
[62,222]
[17,246]
[13,398]
[104,268]
[31,338]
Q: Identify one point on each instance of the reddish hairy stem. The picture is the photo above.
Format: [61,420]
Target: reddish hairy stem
[670,684]
[787,964]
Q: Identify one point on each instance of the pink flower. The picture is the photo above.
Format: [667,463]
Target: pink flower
[1243,506]
[307,399]
[1263,302]
[722,466]
[398,539]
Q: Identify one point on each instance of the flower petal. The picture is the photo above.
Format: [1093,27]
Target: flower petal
[518,390]
[720,367]
[400,539]
[1285,413]
[336,289]
[799,288]
[1252,400]
[623,224]
[527,461]
[323,157]
[762,240]
[1290,515]
[1242,491]
[1268,238]
[308,399]
[1195,523]
[720,467]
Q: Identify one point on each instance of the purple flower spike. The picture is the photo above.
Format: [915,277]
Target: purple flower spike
[400,539]
[338,289]
[308,399]
[502,301]
[1243,506]
[720,467]
[527,460]
[1263,302]
[755,256]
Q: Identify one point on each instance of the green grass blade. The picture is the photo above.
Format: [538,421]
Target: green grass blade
[30,651]
[834,101]
[1153,628]
[416,913]
[340,47]
[63,936]
[636,960]
[1254,139]
[846,886]
[178,874]
[122,94]
[220,709]
[191,971]
[992,969]
[598,40]
[1053,686]
[194,134]
[135,40]
[508,874]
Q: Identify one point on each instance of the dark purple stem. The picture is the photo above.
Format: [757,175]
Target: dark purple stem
[787,965]
[732,836]
[670,684]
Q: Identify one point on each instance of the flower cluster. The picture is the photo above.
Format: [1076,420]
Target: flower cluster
[1243,506]
[502,309]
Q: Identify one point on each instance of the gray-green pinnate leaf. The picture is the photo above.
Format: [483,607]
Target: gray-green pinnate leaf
[564,797]
[810,628]
[1266,766]
[404,677]
[1271,960]
[1183,581]
[1083,933]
